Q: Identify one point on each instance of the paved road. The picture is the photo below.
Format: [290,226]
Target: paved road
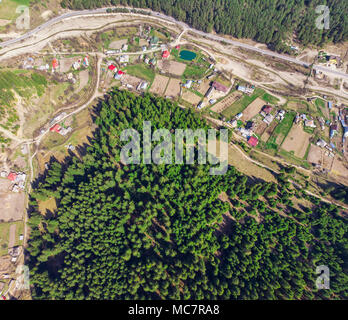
[71,14]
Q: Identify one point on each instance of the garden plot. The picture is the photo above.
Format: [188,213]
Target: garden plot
[204,86]
[226,102]
[131,80]
[191,97]
[173,88]
[260,129]
[297,141]
[315,155]
[172,67]
[252,109]
[320,157]
[65,64]
[339,168]
[159,84]
[11,203]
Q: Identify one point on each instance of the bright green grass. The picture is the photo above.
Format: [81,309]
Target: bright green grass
[141,71]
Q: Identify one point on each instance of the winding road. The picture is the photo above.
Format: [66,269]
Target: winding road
[71,14]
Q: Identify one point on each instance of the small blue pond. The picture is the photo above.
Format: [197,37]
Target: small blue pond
[187,55]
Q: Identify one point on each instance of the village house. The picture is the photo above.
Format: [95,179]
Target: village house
[333,130]
[248,89]
[219,87]
[321,143]
[118,75]
[310,123]
[268,119]
[253,141]
[124,58]
[142,86]
[210,90]
[239,115]
[188,84]
[165,54]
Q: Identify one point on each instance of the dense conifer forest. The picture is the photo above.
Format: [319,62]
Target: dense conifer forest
[268,21]
[174,231]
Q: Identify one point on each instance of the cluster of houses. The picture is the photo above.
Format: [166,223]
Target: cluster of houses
[247,89]
[77,64]
[14,252]
[307,120]
[329,148]
[266,113]
[60,129]
[17,179]
[124,48]
[329,59]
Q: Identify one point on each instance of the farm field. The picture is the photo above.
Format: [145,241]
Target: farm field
[159,84]
[172,67]
[226,102]
[239,105]
[173,88]
[190,97]
[297,141]
[252,109]
[204,86]
[141,71]
[279,131]
[12,204]
[9,235]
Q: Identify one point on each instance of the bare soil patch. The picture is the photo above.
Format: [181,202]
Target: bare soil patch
[315,155]
[172,67]
[204,86]
[173,88]
[297,141]
[118,44]
[340,168]
[159,84]
[131,80]
[252,109]
[226,102]
[66,63]
[191,97]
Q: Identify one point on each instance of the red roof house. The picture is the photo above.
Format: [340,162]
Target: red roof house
[12,176]
[55,128]
[220,87]
[112,67]
[253,141]
[55,63]
[267,109]
[165,54]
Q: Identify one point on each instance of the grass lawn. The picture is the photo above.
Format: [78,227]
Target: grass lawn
[239,105]
[141,71]
[281,131]
[269,98]
[8,8]
[289,157]
[4,235]
[320,103]
[194,72]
